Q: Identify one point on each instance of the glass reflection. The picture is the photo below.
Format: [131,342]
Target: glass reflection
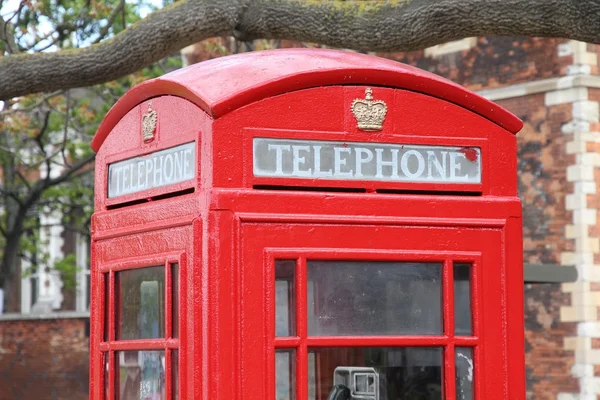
[284,375]
[462,299]
[175,371]
[141,375]
[106,357]
[141,303]
[374,298]
[175,297]
[106,309]
[406,373]
[285,298]
[464,373]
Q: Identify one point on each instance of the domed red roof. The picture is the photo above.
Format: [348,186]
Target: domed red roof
[224,84]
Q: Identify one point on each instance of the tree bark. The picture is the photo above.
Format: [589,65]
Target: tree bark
[395,25]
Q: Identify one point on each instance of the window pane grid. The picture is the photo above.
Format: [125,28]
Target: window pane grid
[449,340]
[167,345]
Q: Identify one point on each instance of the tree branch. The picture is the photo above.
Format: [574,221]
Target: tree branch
[111,20]
[399,25]
[42,184]
[7,36]
[38,103]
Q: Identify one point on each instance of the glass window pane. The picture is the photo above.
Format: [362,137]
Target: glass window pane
[141,375]
[285,375]
[141,303]
[464,373]
[285,298]
[34,290]
[377,372]
[106,357]
[107,301]
[374,298]
[175,373]
[462,299]
[312,377]
[87,291]
[176,294]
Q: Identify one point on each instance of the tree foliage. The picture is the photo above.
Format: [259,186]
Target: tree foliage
[46,164]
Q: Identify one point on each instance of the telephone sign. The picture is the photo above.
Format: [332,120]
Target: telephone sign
[365,161]
[162,168]
[306,224]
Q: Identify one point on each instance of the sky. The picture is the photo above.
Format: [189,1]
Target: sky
[10,6]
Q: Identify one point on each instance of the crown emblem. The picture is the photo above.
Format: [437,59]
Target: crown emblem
[149,124]
[369,113]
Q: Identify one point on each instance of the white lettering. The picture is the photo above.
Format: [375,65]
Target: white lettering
[148,163]
[117,174]
[359,151]
[363,161]
[432,161]
[338,161]
[297,160]
[131,176]
[157,170]
[420,164]
[455,166]
[124,179]
[168,168]
[188,160]
[140,175]
[178,165]
[393,163]
[317,164]
[279,156]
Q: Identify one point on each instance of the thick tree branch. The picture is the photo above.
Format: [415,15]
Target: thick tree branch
[398,25]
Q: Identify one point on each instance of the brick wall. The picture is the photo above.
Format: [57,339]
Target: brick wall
[491,62]
[548,364]
[44,359]
[543,188]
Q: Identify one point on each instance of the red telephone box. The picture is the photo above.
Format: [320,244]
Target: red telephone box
[306,224]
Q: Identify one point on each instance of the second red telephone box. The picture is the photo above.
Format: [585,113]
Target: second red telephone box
[306,224]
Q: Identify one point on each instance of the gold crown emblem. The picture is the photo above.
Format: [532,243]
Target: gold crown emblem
[149,124]
[369,113]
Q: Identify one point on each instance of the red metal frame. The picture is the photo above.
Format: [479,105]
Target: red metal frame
[301,342]
[168,343]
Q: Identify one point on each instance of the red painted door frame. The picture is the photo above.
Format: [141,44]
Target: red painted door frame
[482,246]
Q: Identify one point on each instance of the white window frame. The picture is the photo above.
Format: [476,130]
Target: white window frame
[83,272]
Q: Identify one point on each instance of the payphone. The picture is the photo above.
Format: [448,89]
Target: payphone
[306,225]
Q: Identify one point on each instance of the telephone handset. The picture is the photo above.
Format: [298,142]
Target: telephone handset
[339,392]
[357,383]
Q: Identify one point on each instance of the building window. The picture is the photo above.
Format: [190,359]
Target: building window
[83,253]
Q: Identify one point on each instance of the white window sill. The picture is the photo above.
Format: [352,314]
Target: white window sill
[54,315]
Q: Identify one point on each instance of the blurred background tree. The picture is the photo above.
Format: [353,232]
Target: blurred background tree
[46,164]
